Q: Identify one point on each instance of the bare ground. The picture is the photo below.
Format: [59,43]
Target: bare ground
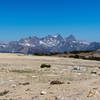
[23,78]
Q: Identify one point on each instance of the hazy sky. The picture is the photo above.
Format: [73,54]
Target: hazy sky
[22,18]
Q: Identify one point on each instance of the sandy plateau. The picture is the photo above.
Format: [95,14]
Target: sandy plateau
[21,78]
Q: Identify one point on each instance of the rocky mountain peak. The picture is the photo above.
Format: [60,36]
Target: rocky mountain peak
[48,44]
[71,38]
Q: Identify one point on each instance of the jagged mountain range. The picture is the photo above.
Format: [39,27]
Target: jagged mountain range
[48,44]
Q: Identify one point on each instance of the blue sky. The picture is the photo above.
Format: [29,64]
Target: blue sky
[22,18]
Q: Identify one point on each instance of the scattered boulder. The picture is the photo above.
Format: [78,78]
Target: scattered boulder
[56,98]
[91,93]
[43,92]
[76,68]
[45,66]
[79,68]
[34,76]
[13,85]
[68,83]
[35,98]
[56,82]
[4,92]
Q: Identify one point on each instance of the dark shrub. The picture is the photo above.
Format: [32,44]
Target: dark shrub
[78,52]
[75,56]
[56,82]
[45,66]
[4,92]
[65,52]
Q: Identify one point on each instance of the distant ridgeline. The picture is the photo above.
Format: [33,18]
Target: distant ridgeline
[48,45]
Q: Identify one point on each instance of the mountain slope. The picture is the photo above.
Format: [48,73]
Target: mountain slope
[48,44]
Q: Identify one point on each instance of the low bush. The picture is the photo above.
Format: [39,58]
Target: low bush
[85,58]
[75,56]
[78,52]
[45,66]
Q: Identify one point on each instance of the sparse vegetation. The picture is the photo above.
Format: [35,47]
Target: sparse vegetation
[26,80]
[92,58]
[78,52]
[73,54]
[48,54]
[85,58]
[41,54]
[25,83]
[56,82]
[4,92]
[22,71]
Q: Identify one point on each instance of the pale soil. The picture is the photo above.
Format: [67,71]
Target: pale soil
[17,68]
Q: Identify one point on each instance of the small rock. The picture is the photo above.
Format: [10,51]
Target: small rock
[56,98]
[10,80]
[13,85]
[79,68]
[68,83]
[91,93]
[76,68]
[43,92]
[35,98]
[34,76]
